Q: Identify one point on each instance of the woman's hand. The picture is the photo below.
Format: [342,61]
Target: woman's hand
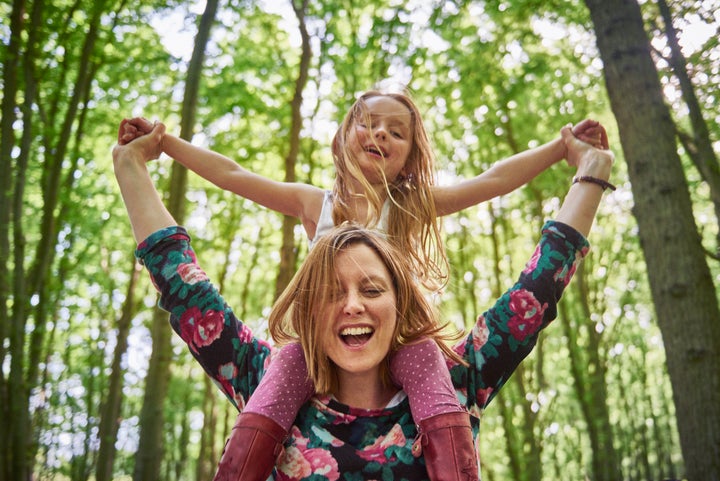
[134,142]
[144,205]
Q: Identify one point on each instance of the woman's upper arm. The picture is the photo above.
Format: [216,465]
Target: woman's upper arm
[224,346]
[507,332]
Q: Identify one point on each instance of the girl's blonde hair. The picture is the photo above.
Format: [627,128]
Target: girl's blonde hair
[298,313]
[412,222]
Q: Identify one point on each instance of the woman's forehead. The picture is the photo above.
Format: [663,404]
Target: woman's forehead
[360,260]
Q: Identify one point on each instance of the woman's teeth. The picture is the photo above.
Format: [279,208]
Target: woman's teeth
[356,336]
[356,331]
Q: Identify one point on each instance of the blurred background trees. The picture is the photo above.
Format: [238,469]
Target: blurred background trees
[624,385]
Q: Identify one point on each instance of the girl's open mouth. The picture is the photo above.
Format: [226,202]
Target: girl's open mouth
[375,151]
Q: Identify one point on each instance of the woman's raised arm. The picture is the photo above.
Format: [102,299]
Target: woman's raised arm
[593,171]
[145,208]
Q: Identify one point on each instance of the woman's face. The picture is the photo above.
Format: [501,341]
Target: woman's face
[361,314]
[382,139]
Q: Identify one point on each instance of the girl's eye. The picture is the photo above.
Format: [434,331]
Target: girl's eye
[398,135]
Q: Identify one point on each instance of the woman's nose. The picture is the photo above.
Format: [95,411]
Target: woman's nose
[353,304]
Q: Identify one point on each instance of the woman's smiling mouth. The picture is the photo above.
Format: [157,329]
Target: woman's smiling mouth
[356,336]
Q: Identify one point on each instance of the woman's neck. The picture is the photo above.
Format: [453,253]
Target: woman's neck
[364,391]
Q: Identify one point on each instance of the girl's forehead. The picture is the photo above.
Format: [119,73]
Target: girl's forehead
[387,107]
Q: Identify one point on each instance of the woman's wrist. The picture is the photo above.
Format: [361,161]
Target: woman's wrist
[127,157]
[596,163]
[593,180]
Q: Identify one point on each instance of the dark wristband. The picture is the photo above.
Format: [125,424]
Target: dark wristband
[594,180]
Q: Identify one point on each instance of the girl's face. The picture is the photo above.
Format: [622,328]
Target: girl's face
[381,140]
[361,314]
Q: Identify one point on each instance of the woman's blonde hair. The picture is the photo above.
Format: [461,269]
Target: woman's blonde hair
[297,314]
[412,221]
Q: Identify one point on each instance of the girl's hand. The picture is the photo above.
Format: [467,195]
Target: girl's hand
[591,132]
[131,129]
[589,160]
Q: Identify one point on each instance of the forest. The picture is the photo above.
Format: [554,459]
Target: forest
[623,385]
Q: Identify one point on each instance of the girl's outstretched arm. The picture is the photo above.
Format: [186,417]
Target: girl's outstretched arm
[509,174]
[294,199]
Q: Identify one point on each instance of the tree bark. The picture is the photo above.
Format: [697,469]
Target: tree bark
[680,282]
[288,252]
[697,144]
[9,400]
[151,446]
[588,370]
[110,417]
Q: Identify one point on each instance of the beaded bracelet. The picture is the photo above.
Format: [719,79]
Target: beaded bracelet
[594,180]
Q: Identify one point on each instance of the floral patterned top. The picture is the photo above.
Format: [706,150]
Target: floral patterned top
[331,441]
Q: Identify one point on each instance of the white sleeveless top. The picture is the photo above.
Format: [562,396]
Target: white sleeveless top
[325,221]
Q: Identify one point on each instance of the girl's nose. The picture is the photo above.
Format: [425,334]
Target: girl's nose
[379,132]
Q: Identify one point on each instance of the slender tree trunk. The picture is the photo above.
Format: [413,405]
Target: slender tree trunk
[589,372]
[682,288]
[698,144]
[208,457]
[151,446]
[110,417]
[8,406]
[288,252]
[513,443]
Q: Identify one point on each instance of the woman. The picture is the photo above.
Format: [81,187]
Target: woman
[351,305]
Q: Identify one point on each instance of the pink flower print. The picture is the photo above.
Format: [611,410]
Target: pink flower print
[225,374]
[482,395]
[565,274]
[191,273]
[245,336]
[376,451]
[200,330]
[303,463]
[528,314]
[480,333]
[532,263]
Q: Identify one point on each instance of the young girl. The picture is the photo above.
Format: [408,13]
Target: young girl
[385,179]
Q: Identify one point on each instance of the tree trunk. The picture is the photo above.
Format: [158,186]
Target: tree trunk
[151,446]
[697,144]
[208,458]
[588,372]
[680,281]
[9,405]
[110,417]
[288,253]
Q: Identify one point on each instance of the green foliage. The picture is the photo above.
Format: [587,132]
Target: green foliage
[492,79]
